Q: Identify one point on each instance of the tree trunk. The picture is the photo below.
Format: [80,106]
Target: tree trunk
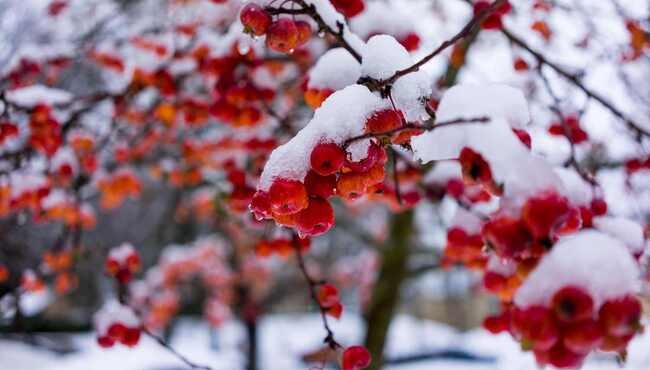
[385,296]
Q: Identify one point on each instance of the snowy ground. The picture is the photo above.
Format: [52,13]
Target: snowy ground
[285,337]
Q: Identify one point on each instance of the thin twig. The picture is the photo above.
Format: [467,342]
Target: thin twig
[162,342]
[313,285]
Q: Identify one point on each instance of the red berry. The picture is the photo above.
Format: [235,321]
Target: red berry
[583,336]
[320,186]
[507,236]
[544,214]
[376,154]
[498,323]
[261,205]
[349,8]
[105,341]
[561,357]
[304,32]
[117,331]
[335,310]
[255,19]
[282,35]
[384,120]
[131,337]
[355,358]
[287,196]
[523,136]
[520,65]
[621,317]
[572,304]
[410,42]
[494,282]
[316,219]
[328,295]
[327,158]
[598,206]
[535,327]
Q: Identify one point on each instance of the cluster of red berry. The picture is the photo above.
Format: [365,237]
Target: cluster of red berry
[303,205]
[328,298]
[570,129]
[283,34]
[563,333]
[494,20]
[122,262]
[118,332]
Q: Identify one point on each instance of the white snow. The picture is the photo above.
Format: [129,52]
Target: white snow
[114,312]
[592,260]
[628,231]
[382,17]
[383,56]
[38,94]
[334,70]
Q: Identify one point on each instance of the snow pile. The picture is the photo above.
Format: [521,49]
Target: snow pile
[342,115]
[628,231]
[590,260]
[334,70]
[467,221]
[511,163]
[382,17]
[334,20]
[409,93]
[38,94]
[576,189]
[442,172]
[383,56]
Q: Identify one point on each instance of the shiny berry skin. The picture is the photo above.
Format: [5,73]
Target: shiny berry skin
[105,341]
[621,317]
[255,19]
[508,236]
[563,358]
[523,136]
[349,8]
[535,326]
[282,35]
[582,337]
[328,295]
[287,196]
[261,205]
[498,323]
[316,219]
[131,337]
[598,207]
[384,120]
[304,32]
[544,214]
[327,158]
[320,186]
[572,304]
[355,358]
[376,154]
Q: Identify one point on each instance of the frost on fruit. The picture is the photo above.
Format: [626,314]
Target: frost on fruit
[591,260]
[342,115]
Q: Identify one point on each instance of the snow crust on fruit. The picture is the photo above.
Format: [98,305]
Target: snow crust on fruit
[26,181]
[589,259]
[334,70]
[65,156]
[114,312]
[511,163]
[383,17]
[343,115]
[383,56]
[628,231]
[121,252]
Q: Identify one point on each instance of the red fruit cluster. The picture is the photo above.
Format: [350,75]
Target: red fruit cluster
[304,205]
[120,333]
[543,218]
[570,128]
[476,171]
[328,299]
[45,131]
[282,35]
[464,248]
[563,334]
[494,20]
[122,262]
[355,358]
[349,8]
[637,164]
